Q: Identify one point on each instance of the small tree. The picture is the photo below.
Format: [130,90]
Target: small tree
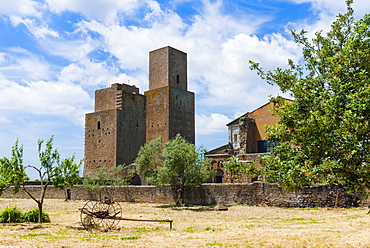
[181,165]
[235,167]
[324,135]
[60,173]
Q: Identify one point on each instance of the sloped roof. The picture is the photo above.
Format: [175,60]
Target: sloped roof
[246,114]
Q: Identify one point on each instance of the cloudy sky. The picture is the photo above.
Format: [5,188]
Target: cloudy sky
[55,53]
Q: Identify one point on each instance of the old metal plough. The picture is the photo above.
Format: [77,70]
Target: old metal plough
[105,215]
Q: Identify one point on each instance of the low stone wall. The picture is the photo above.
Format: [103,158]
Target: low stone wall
[256,194]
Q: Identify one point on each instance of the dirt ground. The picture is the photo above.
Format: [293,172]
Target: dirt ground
[196,226]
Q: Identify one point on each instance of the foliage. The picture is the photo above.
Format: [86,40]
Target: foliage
[129,178]
[15,215]
[33,216]
[179,164]
[52,170]
[236,168]
[323,136]
[183,164]
[105,178]
[12,170]
[11,215]
[149,159]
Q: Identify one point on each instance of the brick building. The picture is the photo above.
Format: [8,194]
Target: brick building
[124,120]
[247,140]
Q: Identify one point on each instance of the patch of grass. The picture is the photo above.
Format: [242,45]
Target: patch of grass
[190,229]
[208,228]
[100,237]
[142,229]
[90,236]
[62,231]
[294,219]
[31,235]
[215,244]
[131,238]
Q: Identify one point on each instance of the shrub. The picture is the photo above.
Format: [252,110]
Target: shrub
[33,215]
[11,215]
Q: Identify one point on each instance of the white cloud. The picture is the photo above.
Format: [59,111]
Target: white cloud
[72,50]
[333,7]
[91,74]
[214,123]
[20,7]
[46,98]
[18,63]
[39,30]
[4,119]
[102,10]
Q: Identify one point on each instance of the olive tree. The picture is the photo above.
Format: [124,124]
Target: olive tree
[179,164]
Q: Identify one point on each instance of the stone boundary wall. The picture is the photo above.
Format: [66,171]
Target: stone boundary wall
[255,194]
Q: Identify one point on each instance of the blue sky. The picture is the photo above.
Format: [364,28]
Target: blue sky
[55,53]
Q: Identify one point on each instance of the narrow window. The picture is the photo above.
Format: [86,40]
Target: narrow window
[177,79]
[98,124]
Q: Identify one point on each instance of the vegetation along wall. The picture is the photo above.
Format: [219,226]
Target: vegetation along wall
[256,193]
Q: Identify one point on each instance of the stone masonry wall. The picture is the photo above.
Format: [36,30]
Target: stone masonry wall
[255,194]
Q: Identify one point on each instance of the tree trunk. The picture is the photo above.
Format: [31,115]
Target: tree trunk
[40,212]
[41,201]
[180,196]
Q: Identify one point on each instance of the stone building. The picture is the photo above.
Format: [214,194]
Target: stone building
[169,104]
[247,140]
[124,120]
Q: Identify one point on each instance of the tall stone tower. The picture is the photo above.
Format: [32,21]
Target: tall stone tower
[169,105]
[115,131]
[123,120]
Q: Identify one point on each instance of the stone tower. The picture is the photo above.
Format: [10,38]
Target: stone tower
[115,131]
[123,120]
[169,105]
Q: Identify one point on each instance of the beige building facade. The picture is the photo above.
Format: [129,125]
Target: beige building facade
[247,140]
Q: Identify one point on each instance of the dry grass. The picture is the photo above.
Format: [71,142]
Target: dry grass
[197,226]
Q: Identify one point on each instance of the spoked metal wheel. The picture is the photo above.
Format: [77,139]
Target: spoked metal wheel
[110,212]
[86,216]
[100,215]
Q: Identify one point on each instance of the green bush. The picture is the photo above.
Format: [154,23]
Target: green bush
[15,215]
[11,215]
[33,215]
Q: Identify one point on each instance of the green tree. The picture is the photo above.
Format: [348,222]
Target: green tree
[149,158]
[323,136]
[52,170]
[105,181]
[236,168]
[180,165]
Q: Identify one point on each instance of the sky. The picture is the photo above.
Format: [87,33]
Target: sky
[54,54]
